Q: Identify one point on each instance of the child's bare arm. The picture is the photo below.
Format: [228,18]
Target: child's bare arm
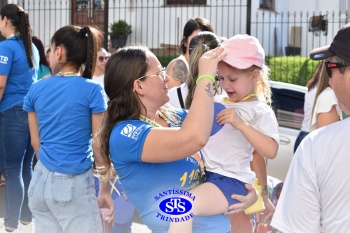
[261,142]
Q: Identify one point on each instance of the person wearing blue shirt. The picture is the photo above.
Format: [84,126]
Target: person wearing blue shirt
[19,62]
[154,150]
[44,70]
[65,112]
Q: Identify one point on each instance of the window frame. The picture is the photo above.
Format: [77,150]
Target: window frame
[264,6]
[279,99]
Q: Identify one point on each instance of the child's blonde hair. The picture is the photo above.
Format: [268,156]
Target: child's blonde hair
[245,53]
[262,89]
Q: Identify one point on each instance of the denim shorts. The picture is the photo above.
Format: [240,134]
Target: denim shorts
[63,203]
[227,186]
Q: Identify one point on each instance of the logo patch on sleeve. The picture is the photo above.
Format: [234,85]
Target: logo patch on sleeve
[128,130]
[3,59]
[132,131]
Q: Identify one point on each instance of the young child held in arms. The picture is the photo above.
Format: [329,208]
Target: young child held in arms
[249,124]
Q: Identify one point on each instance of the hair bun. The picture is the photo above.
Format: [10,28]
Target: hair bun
[83,31]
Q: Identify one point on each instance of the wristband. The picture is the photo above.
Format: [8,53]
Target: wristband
[205,76]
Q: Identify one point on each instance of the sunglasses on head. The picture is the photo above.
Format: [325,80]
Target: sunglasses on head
[101,58]
[332,65]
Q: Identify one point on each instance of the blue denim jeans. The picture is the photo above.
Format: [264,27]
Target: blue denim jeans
[301,136]
[63,203]
[16,157]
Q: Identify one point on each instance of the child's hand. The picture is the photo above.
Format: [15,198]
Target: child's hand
[230,116]
[269,210]
[265,216]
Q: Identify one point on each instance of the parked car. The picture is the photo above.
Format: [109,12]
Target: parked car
[288,105]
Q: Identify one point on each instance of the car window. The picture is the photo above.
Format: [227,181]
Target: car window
[288,106]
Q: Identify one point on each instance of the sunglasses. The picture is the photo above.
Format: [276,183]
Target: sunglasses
[159,72]
[101,58]
[332,65]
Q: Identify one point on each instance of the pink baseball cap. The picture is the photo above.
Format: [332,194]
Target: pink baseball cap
[243,51]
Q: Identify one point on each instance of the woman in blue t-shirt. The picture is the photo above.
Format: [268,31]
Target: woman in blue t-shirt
[19,61]
[65,112]
[154,149]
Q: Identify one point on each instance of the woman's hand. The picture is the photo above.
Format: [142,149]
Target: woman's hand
[207,64]
[105,200]
[245,201]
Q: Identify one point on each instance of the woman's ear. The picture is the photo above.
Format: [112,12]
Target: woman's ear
[58,51]
[4,21]
[138,89]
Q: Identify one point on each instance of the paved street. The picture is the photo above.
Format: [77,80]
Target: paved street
[137,226]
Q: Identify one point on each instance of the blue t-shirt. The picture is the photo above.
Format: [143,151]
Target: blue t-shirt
[147,184]
[63,106]
[14,64]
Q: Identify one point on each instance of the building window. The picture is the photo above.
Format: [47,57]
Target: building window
[82,5]
[99,5]
[267,5]
[186,2]
[288,106]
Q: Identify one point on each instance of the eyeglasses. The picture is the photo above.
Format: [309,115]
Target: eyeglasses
[332,65]
[101,58]
[159,72]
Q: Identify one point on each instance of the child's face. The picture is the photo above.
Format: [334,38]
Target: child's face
[237,83]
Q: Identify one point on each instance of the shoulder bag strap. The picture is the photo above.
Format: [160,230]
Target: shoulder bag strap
[180,97]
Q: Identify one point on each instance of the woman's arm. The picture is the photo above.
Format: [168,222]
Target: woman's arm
[170,144]
[326,118]
[177,71]
[3,80]
[104,198]
[96,122]
[34,133]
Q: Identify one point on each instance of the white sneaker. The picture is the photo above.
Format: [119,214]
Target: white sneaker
[3,228]
[25,228]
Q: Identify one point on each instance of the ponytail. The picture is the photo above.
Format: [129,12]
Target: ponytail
[19,19]
[91,52]
[200,43]
[25,32]
[81,44]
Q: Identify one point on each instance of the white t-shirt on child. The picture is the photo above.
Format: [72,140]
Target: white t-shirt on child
[228,152]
